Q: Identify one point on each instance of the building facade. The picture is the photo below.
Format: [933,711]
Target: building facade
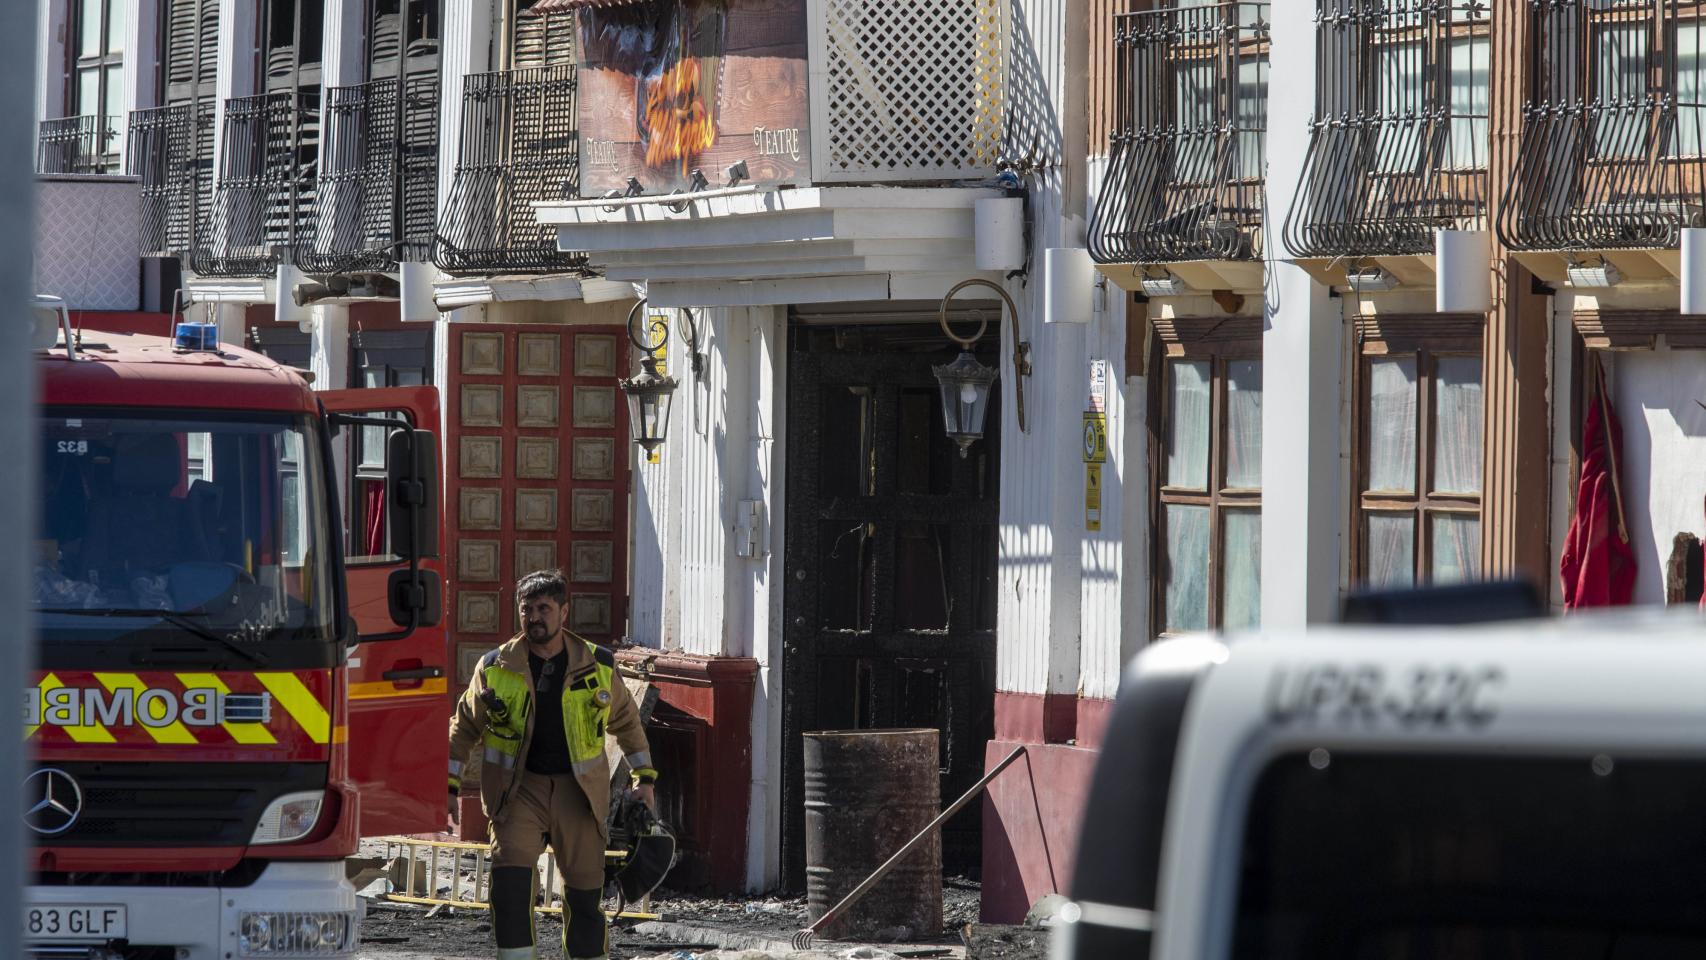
[1280,303]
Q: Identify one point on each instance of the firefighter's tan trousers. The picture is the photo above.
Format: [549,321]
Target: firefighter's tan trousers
[554,810]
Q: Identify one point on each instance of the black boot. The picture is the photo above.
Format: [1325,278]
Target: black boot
[512,909]
[585,936]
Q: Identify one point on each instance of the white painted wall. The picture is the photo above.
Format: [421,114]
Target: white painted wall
[1106,642]
[1302,352]
[1039,620]
[1664,455]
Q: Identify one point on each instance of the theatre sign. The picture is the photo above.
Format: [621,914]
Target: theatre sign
[668,87]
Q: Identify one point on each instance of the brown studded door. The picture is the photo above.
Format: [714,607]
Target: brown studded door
[889,597]
[538,457]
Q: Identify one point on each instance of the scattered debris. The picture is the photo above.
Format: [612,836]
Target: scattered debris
[992,941]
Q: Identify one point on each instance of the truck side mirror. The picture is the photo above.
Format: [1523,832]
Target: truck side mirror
[415,597]
[411,484]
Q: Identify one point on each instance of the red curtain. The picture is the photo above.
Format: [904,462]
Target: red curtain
[1598,568]
[373,536]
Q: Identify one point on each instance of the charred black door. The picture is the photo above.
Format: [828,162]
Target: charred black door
[891,553]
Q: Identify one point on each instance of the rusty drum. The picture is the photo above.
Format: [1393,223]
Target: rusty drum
[867,793]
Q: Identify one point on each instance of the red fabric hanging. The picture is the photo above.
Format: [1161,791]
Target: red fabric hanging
[373,537]
[1598,568]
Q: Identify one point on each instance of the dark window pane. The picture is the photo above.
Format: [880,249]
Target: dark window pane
[1489,856]
[846,557]
[846,465]
[921,595]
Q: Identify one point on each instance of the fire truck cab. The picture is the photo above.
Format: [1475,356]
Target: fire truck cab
[1527,789]
[237,678]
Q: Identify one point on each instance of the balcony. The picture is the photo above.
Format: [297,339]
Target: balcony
[1613,155]
[378,190]
[519,145]
[263,200]
[1399,142]
[171,153]
[77,145]
[1185,176]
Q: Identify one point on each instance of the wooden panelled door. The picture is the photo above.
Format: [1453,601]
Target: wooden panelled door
[538,457]
[889,598]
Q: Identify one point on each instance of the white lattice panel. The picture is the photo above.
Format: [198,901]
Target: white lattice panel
[87,242]
[905,90]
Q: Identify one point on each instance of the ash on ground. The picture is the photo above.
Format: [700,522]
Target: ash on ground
[688,928]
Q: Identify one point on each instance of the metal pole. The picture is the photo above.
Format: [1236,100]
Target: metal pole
[18,503]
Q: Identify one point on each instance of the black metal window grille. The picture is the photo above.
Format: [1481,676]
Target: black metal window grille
[1614,131]
[171,146]
[379,183]
[163,155]
[1185,177]
[263,203]
[518,145]
[1399,140]
[76,145]
[378,192]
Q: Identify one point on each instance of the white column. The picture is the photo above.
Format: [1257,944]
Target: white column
[770,378]
[465,46]
[1039,615]
[141,66]
[235,73]
[51,38]
[328,347]
[1301,352]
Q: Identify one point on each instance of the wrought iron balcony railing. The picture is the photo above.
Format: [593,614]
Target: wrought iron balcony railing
[1399,142]
[519,145]
[263,200]
[1185,178]
[1614,136]
[85,144]
[163,156]
[378,190]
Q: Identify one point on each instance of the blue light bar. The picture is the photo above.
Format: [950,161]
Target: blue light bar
[203,337]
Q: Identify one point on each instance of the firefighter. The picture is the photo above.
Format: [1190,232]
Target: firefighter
[541,705]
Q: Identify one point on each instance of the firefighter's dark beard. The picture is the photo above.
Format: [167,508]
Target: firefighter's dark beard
[537,633]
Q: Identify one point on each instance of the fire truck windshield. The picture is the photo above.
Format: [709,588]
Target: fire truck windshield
[206,520]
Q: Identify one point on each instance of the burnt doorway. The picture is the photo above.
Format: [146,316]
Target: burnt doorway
[889,605]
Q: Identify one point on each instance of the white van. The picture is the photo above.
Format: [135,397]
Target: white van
[1520,790]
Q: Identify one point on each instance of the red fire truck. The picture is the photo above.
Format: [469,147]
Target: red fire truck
[238,676]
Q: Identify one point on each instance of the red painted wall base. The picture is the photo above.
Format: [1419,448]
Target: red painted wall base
[701,738]
[1032,811]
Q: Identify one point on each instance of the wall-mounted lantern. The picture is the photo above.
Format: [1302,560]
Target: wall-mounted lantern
[650,393]
[966,383]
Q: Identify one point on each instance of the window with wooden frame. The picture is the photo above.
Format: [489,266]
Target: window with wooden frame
[1420,423]
[95,69]
[1206,457]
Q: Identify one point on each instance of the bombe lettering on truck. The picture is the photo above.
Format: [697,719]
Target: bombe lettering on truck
[151,707]
[1438,696]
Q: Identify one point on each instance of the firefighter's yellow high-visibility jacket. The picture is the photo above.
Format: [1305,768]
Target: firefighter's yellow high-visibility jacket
[595,701]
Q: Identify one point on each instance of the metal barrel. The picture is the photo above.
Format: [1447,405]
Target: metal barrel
[867,793]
